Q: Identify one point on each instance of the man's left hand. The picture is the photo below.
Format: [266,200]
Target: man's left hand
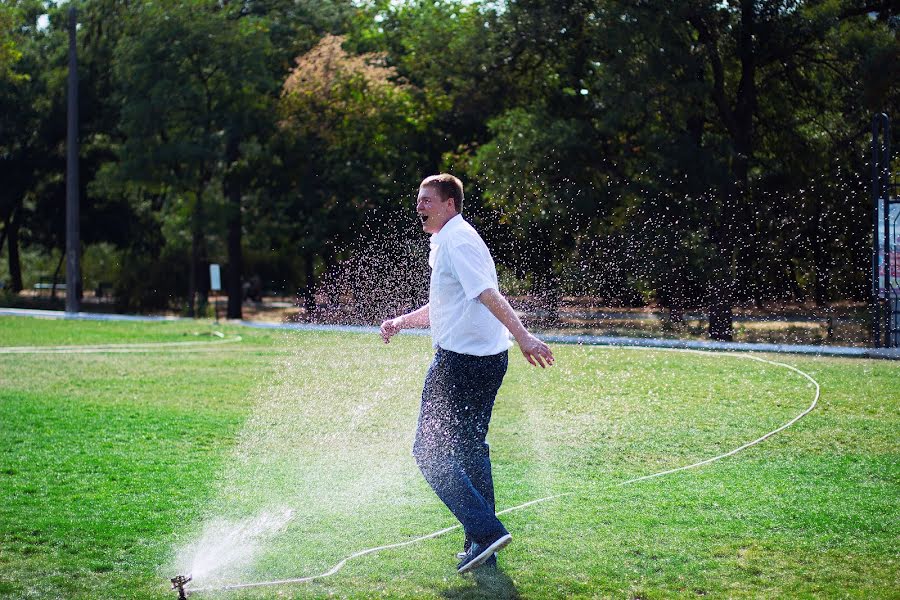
[535,351]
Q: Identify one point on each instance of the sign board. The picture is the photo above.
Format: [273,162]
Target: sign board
[893,246]
[215,278]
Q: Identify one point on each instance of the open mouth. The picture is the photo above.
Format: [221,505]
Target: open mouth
[424,218]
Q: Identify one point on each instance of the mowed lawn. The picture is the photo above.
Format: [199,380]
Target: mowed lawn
[113,464]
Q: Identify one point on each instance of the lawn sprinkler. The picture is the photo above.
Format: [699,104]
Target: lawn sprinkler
[178,583]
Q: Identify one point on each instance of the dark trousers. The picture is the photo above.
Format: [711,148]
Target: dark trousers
[450,446]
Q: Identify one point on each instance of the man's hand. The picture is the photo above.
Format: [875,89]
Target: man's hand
[416,318]
[390,328]
[535,351]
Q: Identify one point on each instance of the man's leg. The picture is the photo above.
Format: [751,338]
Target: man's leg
[483,377]
[475,449]
[452,419]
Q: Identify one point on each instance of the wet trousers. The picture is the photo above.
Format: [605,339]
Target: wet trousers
[450,447]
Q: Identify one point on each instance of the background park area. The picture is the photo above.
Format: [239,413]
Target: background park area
[706,170]
[697,170]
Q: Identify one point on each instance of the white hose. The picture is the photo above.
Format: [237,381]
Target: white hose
[337,567]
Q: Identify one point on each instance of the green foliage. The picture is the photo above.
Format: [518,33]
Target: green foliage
[346,122]
[681,153]
[346,146]
[188,75]
[10,54]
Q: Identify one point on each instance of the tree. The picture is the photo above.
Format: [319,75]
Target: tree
[10,53]
[347,124]
[31,124]
[747,50]
[194,86]
[33,118]
[645,103]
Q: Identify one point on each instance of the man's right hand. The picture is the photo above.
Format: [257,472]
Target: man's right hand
[390,328]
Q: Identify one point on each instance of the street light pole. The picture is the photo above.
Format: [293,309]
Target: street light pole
[73,237]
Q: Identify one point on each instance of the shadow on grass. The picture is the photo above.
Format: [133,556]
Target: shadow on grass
[484,583]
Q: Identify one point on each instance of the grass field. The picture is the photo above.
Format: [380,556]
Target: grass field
[113,463]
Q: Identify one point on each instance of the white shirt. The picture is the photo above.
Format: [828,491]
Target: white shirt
[462,268]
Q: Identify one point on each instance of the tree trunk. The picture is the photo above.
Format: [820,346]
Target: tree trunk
[820,258]
[203,282]
[721,325]
[235,256]
[721,319]
[736,217]
[235,267]
[676,300]
[196,240]
[15,263]
[6,227]
[62,257]
[797,293]
[722,282]
[192,275]
[821,288]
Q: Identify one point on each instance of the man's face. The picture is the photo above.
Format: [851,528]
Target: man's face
[434,211]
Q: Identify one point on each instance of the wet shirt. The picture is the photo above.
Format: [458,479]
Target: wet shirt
[462,268]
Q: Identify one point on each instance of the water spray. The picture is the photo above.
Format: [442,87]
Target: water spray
[178,583]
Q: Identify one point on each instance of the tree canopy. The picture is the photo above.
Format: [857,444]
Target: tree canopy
[692,154]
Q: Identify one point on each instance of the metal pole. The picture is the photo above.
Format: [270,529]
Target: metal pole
[73,237]
[885,186]
[876,203]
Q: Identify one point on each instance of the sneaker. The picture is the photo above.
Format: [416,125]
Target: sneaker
[466,545]
[478,554]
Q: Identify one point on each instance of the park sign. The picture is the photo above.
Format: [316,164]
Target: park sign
[215,278]
[893,250]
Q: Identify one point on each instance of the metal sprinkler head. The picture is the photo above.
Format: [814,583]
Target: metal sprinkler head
[178,583]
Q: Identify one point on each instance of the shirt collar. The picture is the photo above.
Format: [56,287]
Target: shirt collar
[450,225]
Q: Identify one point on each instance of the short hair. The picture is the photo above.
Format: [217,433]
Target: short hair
[447,186]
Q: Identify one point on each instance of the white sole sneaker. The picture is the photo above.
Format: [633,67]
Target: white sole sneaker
[462,555]
[485,554]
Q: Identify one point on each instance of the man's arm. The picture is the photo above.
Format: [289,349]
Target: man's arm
[416,318]
[535,351]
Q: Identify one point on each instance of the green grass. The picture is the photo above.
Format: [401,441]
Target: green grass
[111,462]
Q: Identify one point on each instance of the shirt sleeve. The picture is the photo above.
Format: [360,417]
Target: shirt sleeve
[474,268]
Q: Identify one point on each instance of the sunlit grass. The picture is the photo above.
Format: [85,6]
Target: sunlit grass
[110,463]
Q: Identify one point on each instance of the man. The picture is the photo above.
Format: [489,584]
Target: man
[470,326]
